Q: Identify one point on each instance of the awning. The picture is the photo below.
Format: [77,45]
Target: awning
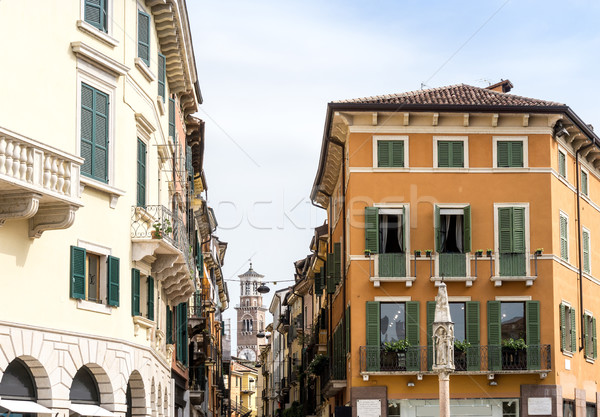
[90,410]
[18,406]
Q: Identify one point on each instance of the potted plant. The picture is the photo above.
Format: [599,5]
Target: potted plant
[488,253]
[417,253]
[479,253]
[160,229]
[538,251]
[514,354]
[460,354]
[428,253]
[394,355]
[368,253]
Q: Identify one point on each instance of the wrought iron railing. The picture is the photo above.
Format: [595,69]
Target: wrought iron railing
[492,358]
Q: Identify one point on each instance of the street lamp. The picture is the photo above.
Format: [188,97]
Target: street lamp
[263,289]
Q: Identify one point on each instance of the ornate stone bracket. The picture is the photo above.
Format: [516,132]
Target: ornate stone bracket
[18,206]
[163,262]
[169,272]
[140,250]
[51,217]
[144,323]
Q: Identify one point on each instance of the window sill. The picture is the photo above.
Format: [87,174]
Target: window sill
[590,360]
[97,33]
[94,307]
[143,323]
[497,280]
[567,353]
[141,65]
[467,280]
[114,193]
[378,280]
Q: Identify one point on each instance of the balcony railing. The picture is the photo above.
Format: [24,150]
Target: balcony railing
[452,264]
[392,265]
[476,359]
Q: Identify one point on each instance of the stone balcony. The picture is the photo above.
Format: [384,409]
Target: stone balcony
[37,182]
[168,253]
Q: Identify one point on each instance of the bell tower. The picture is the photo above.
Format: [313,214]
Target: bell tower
[250,315]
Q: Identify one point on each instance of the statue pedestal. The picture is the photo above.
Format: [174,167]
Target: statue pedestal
[444,379]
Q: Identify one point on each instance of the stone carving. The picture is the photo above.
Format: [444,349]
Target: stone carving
[443,333]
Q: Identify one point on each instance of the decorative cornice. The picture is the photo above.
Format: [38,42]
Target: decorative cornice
[144,124]
[89,54]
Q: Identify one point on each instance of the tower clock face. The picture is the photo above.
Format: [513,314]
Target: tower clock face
[248,354]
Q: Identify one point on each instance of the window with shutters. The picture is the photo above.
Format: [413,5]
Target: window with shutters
[512,320]
[584,183]
[143,290]
[172,130]
[589,336]
[392,322]
[510,152]
[95,12]
[512,240]
[385,234]
[564,236]
[568,325]
[143,36]
[94,132]
[451,152]
[452,239]
[141,173]
[586,242]
[162,74]
[562,163]
[390,151]
[94,274]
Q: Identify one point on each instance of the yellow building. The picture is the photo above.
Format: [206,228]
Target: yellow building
[464,185]
[98,248]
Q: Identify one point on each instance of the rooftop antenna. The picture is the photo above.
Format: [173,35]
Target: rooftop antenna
[423,85]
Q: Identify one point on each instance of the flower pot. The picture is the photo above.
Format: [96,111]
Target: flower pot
[156,234]
[488,253]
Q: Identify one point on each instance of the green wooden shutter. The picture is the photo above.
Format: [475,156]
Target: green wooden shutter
[413,355]
[437,230]
[169,326]
[562,165]
[172,118]
[94,132]
[467,229]
[113,265]
[518,226]
[564,242]
[135,292]
[162,71]
[397,154]
[383,153]
[347,317]
[505,234]
[494,336]
[372,229]
[502,152]
[573,331]
[150,283]
[95,13]
[457,154]
[318,287]
[77,280]
[337,262]
[563,327]
[532,320]
[472,335]
[330,280]
[586,251]
[144,37]
[443,154]
[141,173]
[584,183]
[430,319]
[516,154]
[594,339]
[373,335]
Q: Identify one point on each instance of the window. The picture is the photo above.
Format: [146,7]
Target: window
[141,173]
[84,388]
[585,237]
[590,410]
[94,277]
[144,37]
[510,408]
[390,153]
[568,408]
[589,336]
[385,234]
[509,153]
[393,408]
[568,337]
[564,237]
[511,241]
[562,164]
[142,295]
[95,13]
[457,312]
[452,239]
[512,320]
[162,71]
[584,183]
[18,383]
[450,154]
[94,132]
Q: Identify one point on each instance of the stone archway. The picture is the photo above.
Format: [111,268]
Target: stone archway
[136,395]
[105,387]
[40,377]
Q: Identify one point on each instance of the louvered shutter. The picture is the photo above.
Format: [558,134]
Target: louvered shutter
[505,234]
[169,326]
[347,323]
[150,282]
[573,331]
[516,154]
[457,154]
[162,71]
[135,292]
[586,251]
[584,183]
[563,327]
[330,280]
[502,154]
[430,319]
[443,154]
[494,336]
[77,280]
[172,118]
[412,336]
[95,13]
[100,168]
[373,331]
[562,165]
[594,339]
[372,229]
[467,229]
[532,331]
[337,262]
[472,334]
[564,243]
[141,173]
[87,128]
[383,153]
[144,37]
[113,265]
[437,231]
[397,154]
[518,225]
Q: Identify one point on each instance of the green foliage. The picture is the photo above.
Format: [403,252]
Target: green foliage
[161,229]
[461,346]
[397,346]
[317,364]
[514,344]
[294,411]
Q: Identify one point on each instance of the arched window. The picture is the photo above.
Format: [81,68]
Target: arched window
[251,325]
[17,382]
[247,288]
[84,389]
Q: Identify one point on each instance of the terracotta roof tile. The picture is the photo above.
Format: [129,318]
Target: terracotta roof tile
[460,94]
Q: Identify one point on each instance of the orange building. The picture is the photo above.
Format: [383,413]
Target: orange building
[498,196]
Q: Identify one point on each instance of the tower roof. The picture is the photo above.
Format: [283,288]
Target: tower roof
[251,273]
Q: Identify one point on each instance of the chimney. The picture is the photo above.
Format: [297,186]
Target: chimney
[504,86]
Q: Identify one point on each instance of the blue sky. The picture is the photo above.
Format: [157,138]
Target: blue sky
[268,68]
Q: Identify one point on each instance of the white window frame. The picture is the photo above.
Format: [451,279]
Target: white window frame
[456,209]
[562,151]
[524,139]
[396,209]
[571,349]
[582,171]
[588,321]
[105,37]
[585,229]
[103,252]
[497,238]
[382,138]
[564,215]
[464,139]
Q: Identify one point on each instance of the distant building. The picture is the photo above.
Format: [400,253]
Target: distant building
[250,315]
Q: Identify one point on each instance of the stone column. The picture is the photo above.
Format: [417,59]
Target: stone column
[444,380]
[443,348]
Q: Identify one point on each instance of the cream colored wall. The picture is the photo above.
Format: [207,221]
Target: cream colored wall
[42,84]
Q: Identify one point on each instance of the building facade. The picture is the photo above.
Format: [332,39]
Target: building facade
[493,194]
[250,315]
